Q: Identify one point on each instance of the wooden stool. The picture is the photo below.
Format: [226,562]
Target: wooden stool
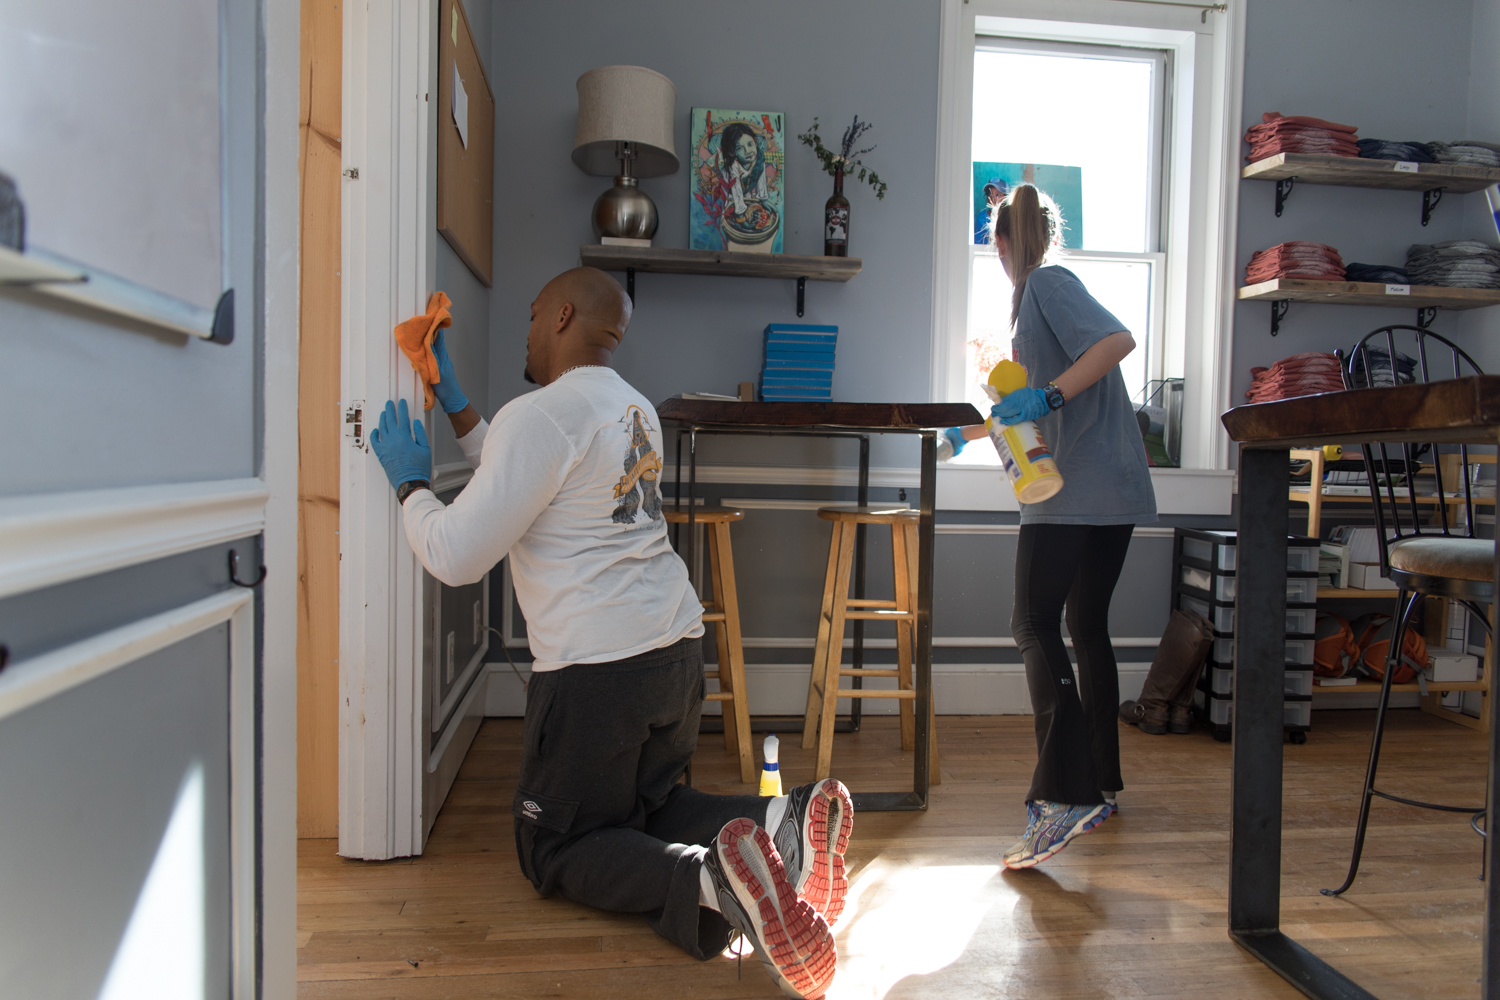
[823,689]
[724,609]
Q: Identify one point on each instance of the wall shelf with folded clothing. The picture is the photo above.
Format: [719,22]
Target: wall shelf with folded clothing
[1357,171]
[669,260]
[1368,293]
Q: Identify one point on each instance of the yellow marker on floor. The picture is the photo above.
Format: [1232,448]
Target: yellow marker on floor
[770,772]
[1027,459]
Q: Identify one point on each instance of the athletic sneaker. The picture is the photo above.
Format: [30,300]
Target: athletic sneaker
[812,838]
[1033,816]
[791,938]
[1050,828]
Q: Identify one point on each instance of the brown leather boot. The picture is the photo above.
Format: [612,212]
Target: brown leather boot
[1174,672]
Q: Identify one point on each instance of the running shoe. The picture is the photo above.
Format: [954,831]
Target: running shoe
[811,838]
[1054,825]
[791,938]
[1033,816]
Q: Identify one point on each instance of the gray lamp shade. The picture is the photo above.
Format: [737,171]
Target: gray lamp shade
[625,104]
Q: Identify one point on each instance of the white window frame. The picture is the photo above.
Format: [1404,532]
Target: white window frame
[1199,202]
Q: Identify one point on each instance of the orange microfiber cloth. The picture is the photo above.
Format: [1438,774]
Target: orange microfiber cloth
[414,337]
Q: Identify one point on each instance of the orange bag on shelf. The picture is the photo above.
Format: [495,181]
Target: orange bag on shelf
[1375,632]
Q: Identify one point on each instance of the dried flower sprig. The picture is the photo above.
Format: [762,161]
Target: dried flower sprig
[847,158]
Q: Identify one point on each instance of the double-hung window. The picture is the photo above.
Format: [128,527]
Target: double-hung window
[1127,114]
[1089,135]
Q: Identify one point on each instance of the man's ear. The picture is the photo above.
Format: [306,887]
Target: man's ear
[565,314]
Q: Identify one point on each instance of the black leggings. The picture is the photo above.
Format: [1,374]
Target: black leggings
[1077,743]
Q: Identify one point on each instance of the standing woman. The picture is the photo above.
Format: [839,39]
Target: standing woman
[1073,545]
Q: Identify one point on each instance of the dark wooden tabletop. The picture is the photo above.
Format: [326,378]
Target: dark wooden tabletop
[1457,411]
[864,416]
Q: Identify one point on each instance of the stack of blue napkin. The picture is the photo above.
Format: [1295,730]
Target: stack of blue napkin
[799,363]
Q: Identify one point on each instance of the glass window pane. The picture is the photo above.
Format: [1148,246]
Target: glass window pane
[1121,286]
[1091,115]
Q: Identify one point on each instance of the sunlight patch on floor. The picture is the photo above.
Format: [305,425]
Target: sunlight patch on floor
[911,920]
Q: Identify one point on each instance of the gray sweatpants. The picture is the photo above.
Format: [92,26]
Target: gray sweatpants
[599,814]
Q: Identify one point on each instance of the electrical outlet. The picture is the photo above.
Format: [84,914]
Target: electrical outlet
[478,623]
[448,671]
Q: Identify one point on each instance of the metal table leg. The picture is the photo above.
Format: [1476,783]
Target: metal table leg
[926,534]
[1260,661]
[1489,979]
[860,534]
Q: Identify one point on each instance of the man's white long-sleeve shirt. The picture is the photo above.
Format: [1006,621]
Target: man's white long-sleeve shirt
[566,482]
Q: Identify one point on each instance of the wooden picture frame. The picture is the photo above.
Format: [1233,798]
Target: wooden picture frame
[465,171]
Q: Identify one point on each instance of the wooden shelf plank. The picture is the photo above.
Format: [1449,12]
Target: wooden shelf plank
[1368,293]
[1351,171]
[667,260]
[1364,686]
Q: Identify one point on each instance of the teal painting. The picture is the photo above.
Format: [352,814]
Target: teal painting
[1064,185]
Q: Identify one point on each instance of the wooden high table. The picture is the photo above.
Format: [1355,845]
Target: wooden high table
[839,419]
[1460,411]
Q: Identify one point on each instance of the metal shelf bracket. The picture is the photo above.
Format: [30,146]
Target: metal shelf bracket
[1278,311]
[1430,199]
[801,294]
[1425,316]
[1283,191]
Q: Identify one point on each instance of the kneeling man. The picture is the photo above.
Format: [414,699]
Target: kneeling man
[565,483]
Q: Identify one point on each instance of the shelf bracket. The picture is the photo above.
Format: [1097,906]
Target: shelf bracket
[1425,316]
[1430,199]
[1278,310]
[801,294]
[630,284]
[1283,191]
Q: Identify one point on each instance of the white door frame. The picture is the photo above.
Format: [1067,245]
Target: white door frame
[386,257]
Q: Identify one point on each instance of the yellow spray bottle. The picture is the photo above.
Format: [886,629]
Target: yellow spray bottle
[1027,459]
[770,772]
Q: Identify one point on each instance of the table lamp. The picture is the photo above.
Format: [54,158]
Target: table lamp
[625,129]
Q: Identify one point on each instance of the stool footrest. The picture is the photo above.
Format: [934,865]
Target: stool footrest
[879,616]
[866,693]
[719,696]
[711,675]
[868,672]
[713,616]
[860,602]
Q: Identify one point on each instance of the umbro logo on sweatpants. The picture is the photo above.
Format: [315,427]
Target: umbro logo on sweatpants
[532,809]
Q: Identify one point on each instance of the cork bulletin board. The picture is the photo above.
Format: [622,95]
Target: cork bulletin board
[466,145]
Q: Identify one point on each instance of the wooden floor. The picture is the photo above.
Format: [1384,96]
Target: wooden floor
[1136,908]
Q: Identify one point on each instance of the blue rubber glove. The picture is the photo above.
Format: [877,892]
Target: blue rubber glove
[449,396]
[1021,405]
[403,456]
[955,436]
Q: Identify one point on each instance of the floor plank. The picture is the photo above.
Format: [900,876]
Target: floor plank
[1134,909]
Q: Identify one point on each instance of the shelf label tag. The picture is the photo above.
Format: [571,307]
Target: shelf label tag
[1398,289]
[1406,166]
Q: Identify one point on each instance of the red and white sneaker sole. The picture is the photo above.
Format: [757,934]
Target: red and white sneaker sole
[830,821]
[793,935]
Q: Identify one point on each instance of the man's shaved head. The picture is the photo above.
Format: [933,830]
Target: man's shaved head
[578,318]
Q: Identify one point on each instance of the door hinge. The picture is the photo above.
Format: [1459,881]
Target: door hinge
[354,423]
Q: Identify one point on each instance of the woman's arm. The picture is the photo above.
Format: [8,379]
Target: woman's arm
[1095,363]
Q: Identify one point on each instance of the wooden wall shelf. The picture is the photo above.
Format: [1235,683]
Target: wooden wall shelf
[1351,171]
[1368,293]
[666,260]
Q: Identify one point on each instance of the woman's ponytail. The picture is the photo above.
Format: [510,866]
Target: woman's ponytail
[1032,227]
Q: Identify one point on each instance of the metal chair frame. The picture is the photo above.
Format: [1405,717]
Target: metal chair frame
[1411,587]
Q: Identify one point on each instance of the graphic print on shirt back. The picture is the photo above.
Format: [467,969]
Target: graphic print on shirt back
[636,489]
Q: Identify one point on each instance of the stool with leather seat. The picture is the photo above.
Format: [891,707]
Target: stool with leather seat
[1422,560]
[723,609]
[823,690]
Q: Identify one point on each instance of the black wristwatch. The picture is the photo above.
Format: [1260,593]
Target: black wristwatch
[1055,397]
[409,487]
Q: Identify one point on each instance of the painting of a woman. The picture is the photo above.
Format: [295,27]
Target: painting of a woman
[736,181]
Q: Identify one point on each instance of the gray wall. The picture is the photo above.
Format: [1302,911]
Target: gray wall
[1480,328]
[824,58]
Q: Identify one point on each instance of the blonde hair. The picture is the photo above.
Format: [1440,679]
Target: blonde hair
[1032,226]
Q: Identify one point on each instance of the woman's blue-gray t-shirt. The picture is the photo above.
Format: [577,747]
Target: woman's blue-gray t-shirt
[1095,437]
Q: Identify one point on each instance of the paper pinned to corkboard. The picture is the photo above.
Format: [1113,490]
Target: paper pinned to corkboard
[466,145]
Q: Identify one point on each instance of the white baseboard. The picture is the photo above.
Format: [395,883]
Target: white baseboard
[781,689]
